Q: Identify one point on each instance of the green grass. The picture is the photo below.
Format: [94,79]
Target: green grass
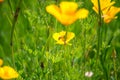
[35,55]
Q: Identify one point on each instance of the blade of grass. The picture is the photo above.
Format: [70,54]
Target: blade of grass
[15,17]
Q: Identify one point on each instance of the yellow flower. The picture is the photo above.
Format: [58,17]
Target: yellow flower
[7,72]
[67,13]
[1,0]
[108,11]
[1,62]
[63,37]
[110,14]
[104,4]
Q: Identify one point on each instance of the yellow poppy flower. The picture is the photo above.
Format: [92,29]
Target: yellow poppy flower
[63,37]
[1,62]
[7,72]
[108,11]
[110,14]
[104,4]
[67,13]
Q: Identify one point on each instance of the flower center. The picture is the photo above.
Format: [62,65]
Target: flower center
[61,38]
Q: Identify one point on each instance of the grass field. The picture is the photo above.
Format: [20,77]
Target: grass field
[28,45]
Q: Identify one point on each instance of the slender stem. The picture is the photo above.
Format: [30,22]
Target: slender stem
[9,3]
[114,63]
[100,56]
[66,28]
[84,50]
[99,28]
[84,44]
[65,52]
[48,34]
[105,33]
[98,34]
[15,17]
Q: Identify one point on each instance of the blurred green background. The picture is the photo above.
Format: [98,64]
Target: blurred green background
[32,37]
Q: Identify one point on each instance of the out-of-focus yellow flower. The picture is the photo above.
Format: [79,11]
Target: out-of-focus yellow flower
[104,4]
[1,62]
[1,0]
[108,11]
[7,72]
[63,37]
[67,13]
[110,14]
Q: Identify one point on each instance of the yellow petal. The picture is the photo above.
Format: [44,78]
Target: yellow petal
[1,62]
[110,14]
[62,33]
[57,36]
[82,13]
[104,4]
[68,19]
[7,72]
[60,42]
[63,37]
[95,9]
[70,35]
[68,7]
[1,72]
[95,2]
[54,10]
[113,11]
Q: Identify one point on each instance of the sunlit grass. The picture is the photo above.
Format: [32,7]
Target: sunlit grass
[35,55]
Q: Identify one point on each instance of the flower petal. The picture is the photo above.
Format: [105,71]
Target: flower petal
[56,36]
[70,35]
[82,13]
[68,7]
[63,37]
[54,10]
[7,72]
[67,19]
[110,14]
[1,62]
[113,11]
[104,4]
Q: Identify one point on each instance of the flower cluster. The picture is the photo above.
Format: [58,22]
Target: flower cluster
[66,13]
[7,72]
[107,9]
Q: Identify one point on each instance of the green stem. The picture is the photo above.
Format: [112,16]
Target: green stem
[99,28]
[84,50]
[48,34]
[100,25]
[9,3]
[114,62]
[66,56]
[65,36]
[98,34]
[15,17]
[84,47]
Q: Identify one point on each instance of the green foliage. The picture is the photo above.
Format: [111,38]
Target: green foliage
[35,54]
